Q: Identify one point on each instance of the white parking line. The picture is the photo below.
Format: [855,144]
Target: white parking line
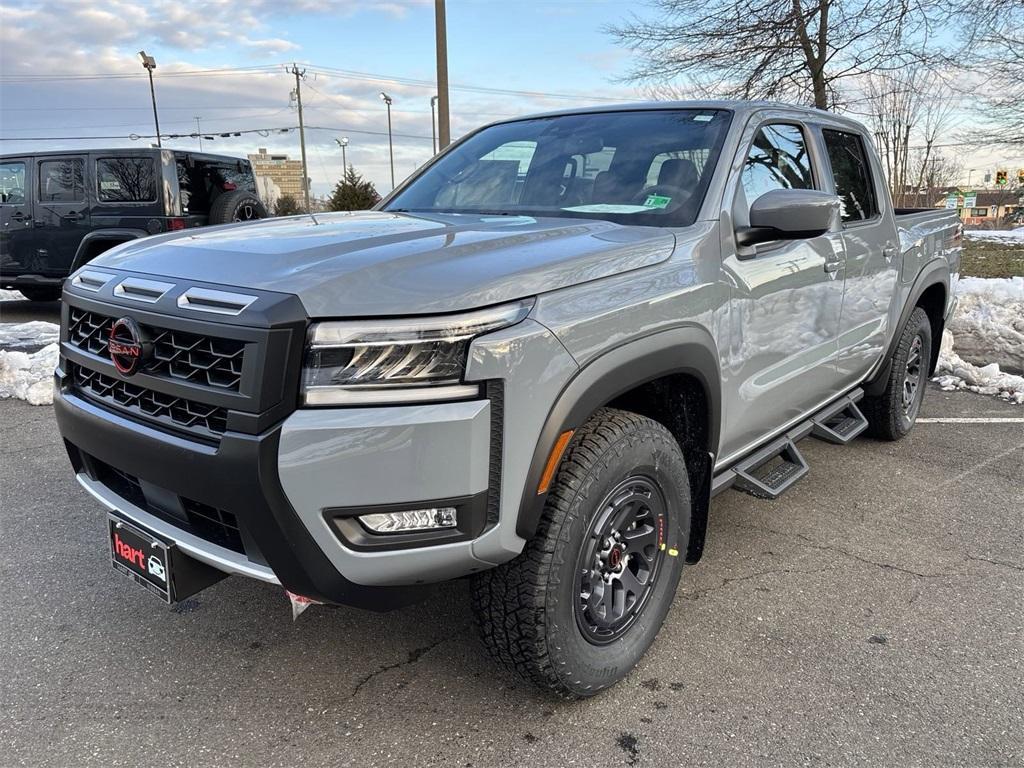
[972,420]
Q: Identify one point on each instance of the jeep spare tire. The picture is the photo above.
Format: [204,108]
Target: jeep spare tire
[235,206]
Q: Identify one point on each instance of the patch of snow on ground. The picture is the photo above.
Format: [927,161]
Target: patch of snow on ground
[997,235]
[35,333]
[28,376]
[983,350]
[6,295]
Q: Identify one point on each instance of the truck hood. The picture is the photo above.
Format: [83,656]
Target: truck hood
[379,263]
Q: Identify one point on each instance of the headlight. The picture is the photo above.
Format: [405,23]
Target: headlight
[394,361]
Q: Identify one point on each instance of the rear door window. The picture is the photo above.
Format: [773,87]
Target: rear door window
[852,175]
[201,181]
[778,159]
[62,181]
[126,180]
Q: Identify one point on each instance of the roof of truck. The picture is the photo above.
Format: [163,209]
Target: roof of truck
[736,105]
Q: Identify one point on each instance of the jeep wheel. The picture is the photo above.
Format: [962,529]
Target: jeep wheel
[236,206]
[41,293]
[580,606]
[892,414]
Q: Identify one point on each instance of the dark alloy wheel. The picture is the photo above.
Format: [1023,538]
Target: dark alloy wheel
[620,559]
[892,413]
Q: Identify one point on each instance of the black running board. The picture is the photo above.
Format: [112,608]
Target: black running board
[771,470]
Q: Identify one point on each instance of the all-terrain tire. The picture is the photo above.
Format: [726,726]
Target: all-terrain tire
[238,205]
[530,610]
[891,415]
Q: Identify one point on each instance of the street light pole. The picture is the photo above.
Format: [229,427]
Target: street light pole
[343,142]
[199,131]
[441,35]
[433,125]
[150,64]
[391,147]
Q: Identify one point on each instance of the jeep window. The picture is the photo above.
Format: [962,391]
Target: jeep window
[595,165]
[201,181]
[852,176]
[61,181]
[777,159]
[126,180]
[12,183]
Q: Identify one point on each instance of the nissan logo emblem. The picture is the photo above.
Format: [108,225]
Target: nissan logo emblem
[127,346]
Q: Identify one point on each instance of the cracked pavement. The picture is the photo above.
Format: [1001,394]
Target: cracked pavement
[872,615]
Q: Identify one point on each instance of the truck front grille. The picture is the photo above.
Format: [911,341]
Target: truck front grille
[205,360]
[186,414]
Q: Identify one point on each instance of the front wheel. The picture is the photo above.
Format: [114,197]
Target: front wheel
[891,415]
[581,605]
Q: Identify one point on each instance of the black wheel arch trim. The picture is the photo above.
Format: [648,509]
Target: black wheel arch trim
[116,235]
[686,349]
[934,273]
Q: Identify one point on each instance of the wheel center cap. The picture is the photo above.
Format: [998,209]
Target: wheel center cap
[615,557]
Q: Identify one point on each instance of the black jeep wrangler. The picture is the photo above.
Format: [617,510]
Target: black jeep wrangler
[59,210]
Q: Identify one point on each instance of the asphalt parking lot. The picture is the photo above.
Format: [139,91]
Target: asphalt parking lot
[872,615]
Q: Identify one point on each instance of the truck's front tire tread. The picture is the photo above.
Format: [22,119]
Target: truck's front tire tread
[512,603]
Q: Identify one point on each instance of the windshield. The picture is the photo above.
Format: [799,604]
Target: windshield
[644,167]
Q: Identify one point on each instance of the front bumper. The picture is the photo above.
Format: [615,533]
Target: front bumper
[239,476]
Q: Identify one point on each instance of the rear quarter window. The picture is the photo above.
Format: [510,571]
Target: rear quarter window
[126,180]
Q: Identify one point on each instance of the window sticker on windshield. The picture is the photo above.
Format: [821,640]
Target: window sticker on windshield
[703,118]
[657,201]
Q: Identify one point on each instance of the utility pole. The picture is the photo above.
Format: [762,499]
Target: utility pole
[199,131]
[299,74]
[343,142]
[444,130]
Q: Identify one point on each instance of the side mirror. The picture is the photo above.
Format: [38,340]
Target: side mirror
[789,214]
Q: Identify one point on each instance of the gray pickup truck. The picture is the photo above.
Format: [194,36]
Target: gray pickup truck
[533,365]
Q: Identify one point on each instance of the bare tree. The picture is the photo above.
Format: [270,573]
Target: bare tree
[800,50]
[907,111]
[996,51]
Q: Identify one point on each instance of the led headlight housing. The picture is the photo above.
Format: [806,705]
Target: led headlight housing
[397,361]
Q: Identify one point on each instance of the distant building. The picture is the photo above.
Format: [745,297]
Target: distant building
[985,208]
[276,175]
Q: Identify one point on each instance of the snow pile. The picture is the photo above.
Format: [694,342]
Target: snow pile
[28,376]
[6,295]
[27,360]
[35,333]
[1000,236]
[989,322]
[983,350]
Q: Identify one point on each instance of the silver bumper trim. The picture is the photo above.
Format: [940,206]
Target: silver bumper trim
[218,557]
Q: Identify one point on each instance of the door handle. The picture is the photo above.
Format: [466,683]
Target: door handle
[833,266]
[73,216]
[19,216]
[889,252]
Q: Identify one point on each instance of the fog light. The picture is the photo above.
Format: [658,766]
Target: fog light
[412,520]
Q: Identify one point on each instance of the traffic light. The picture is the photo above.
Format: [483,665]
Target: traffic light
[1001,178]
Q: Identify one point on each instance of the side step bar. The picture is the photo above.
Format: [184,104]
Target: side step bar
[770,471]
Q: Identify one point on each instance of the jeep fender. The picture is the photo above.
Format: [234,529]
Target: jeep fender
[936,272]
[686,349]
[115,236]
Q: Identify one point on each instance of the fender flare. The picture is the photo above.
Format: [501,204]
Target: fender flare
[936,272]
[119,235]
[685,349]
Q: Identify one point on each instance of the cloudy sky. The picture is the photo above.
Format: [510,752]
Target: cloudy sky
[68,69]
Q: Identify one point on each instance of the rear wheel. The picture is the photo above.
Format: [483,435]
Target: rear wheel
[892,414]
[579,608]
[41,293]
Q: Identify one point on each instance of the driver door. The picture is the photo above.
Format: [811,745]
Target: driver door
[780,362]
